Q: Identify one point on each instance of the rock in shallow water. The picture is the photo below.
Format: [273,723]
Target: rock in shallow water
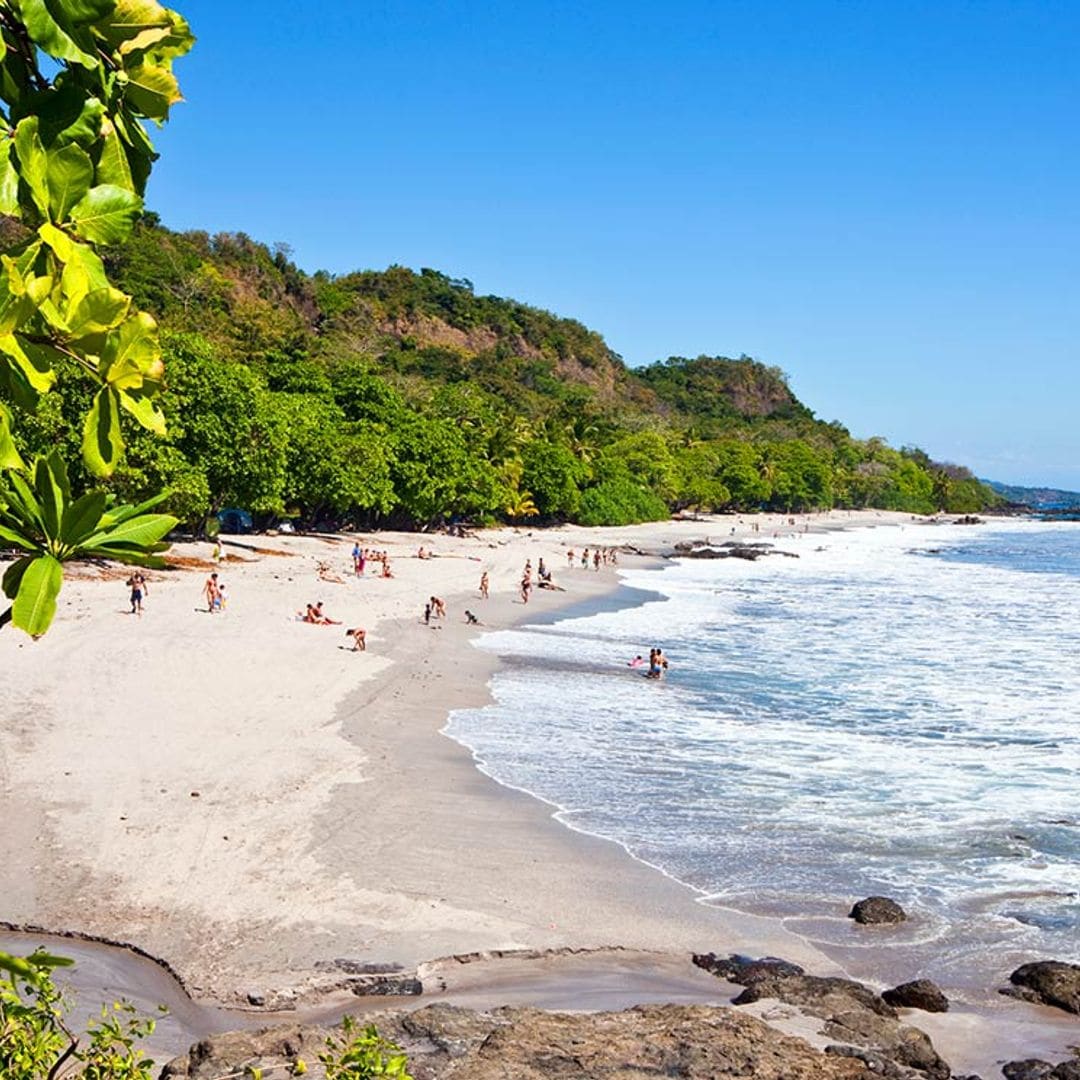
[919,994]
[875,910]
[1049,982]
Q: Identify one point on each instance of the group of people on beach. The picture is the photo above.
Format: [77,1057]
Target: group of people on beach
[362,556]
[598,557]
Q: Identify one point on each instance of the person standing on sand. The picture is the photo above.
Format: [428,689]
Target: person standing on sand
[526,588]
[359,637]
[137,584]
[585,559]
[210,591]
[569,558]
[484,585]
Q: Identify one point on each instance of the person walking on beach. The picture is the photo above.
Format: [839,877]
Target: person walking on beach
[585,559]
[210,591]
[596,560]
[569,558]
[137,584]
[484,584]
[526,588]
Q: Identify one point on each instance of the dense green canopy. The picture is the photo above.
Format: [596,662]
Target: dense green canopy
[403,398]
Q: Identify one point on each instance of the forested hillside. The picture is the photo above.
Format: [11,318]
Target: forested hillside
[400,397]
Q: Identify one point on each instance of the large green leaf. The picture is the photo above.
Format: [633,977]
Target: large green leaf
[62,42]
[98,311]
[115,514]
[33,162]
[151,89]
[65,115]
[19,540]
[143,409]
[9,455]
[141,532]
[132,353]
[112,165]
[106,214]
[102,441]
[23,504]
[82,517]
[84,11]
[9,180]
[35,603]
[28,361]
[70,174]
[51,488]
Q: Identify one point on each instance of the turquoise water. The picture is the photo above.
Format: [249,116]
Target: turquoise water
[893,712]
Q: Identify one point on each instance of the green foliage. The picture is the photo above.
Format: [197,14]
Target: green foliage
[40,518]
[404,397]
[36,1042]
[360,1054]
[620,501]
[77,80]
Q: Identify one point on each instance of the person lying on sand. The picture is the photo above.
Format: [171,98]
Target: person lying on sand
[359,636]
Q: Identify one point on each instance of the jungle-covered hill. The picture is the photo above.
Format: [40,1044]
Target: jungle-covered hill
[396,396]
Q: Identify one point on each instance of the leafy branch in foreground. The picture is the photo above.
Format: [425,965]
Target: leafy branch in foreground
[78,79]
[36,1042]
[39,517]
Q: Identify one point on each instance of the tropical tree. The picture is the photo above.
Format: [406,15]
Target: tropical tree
[78,78]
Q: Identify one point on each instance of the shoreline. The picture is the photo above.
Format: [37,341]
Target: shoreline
[429,846]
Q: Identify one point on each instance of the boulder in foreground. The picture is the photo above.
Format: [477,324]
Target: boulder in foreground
[918,994]
[1048,982]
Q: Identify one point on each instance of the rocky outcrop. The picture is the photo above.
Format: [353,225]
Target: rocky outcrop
[855,1016]
[919,994]
[730,549]
[877,910]
[693,1042]
[1034,1069]
[867,1028]
[1048,982]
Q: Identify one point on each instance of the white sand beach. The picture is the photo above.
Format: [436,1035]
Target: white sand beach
[243,796]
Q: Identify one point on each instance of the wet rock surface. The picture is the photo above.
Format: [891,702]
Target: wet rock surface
[877,910]
[918,994]
[694,1042]
[744,970]
[1048,982]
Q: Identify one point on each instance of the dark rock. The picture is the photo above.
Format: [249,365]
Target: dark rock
[743,970]
[692,1042]
[920,994]
[1067,1070]
[358,967]
[876,910]
[256,999]
[1031,1069]
[854,1015]
[381,986]
[1050,982]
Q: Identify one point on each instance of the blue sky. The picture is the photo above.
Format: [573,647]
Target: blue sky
[880,198]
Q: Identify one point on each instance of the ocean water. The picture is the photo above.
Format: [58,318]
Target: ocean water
[896,711]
